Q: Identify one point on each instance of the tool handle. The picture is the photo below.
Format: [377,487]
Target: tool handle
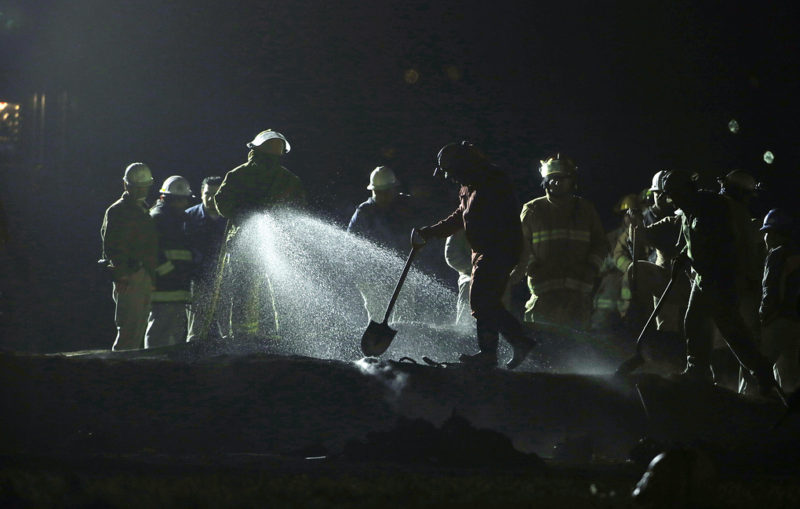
[659,305]
[400,283]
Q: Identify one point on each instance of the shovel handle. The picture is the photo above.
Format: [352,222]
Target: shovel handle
[400,283]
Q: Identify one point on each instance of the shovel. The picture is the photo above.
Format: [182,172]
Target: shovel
[379,336]
[631,364]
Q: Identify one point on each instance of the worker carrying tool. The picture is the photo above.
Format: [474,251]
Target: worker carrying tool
[487,212]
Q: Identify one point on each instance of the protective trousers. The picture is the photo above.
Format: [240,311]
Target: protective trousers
[252,312]
[562,307]
[719,305]
[198,315]
[488,284]
[780,342]
[132,309]
[166,324]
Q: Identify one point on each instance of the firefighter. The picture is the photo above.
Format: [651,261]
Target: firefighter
[488,215]
[385,219]
[205,229]
[610,300]
[564,246]
[130,251]
[259,185]
[779,311]
[709,234]
[172,295]
[739,188]
[652,274]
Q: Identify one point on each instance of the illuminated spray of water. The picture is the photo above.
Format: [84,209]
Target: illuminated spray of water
[314,265]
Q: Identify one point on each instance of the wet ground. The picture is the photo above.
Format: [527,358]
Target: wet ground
[214,425]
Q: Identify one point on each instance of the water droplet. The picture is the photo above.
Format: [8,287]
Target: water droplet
[769,157]
[411,76]
[733,126]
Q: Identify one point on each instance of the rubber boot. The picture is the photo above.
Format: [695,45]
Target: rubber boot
[522,346]
[487,342]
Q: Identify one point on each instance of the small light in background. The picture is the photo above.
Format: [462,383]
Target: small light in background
[769,157]
[411,76]
[733,126]
[453,72]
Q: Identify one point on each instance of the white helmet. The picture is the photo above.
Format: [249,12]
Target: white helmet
[269,134]
[176,186]
[138,175]
[382,178]
[558,165]
[656,184]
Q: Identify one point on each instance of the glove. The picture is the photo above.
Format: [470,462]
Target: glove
[418,237]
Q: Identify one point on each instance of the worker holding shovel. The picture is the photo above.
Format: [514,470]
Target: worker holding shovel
[488,213]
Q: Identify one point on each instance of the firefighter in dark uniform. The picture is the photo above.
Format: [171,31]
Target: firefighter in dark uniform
[488,213]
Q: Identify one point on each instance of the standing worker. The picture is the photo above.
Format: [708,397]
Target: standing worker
[259,185]
[167,323]
[564,246]
[488,215]
[130,249]
[205,229]
[385,219]
[710,238]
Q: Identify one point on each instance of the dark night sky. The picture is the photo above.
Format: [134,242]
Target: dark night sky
[625,88]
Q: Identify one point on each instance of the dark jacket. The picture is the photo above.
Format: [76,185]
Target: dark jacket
[173,274]
[206,235]
[130,241]
[780,295]
[489,214]
[258,185]
[388,226]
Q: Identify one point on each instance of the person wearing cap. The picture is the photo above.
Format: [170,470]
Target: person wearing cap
[487,213]
[386,219]
[563,249]
[205,229]
[260,185]
[710,246]
[130,251]
[166,324]
[779,311]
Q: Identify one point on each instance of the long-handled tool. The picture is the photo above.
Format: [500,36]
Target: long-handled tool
[631,364]
[379,336]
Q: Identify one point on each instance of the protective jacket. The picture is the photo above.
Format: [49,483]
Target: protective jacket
[488,214]
[781,285]
[173,274]
[259,184]
[130,241]
[564,244]
[389,226]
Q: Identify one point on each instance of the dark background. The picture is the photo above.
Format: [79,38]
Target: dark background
[623,88]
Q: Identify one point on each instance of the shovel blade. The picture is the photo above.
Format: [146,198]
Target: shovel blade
[376,339]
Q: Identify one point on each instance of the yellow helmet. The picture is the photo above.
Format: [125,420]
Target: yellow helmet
[558,165]
[627,202]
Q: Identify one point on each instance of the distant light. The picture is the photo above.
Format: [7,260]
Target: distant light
[733,126]
[769,157]
[3,106]
[453,72]
[411,76]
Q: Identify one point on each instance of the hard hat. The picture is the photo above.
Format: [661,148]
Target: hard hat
[628,202]
[673,180]
[557,165]
[138,175]
[269,134]
[739,179]
[176,186]
[777,220]
[459,158]
[656,185]
[382,178]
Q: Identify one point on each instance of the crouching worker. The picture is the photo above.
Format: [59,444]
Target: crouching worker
[488,215]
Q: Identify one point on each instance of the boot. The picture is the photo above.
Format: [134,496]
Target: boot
[482,359]
[522,346]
